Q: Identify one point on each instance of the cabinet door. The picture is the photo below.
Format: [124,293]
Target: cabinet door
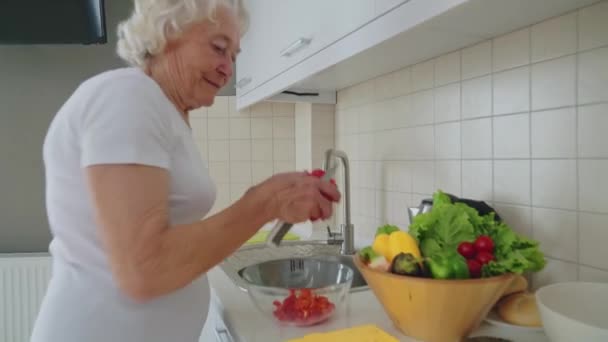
[297,33]
[251,69]
[346,16]
[383,6]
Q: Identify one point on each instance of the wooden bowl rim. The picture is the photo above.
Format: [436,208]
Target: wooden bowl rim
[494,279]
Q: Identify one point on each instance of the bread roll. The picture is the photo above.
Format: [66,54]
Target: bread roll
[519,284]
[520,309]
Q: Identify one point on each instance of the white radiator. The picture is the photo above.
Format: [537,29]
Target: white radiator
[23,282]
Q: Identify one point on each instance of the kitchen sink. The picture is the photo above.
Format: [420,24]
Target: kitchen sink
[258,253]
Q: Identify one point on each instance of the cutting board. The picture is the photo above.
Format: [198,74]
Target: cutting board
[362,333]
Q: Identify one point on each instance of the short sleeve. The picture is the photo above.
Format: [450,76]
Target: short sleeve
[125,123]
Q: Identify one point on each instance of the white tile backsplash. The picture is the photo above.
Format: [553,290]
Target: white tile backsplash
[423,75]
[593,237]
[593,26]
[557,232]
[218,128]
[554,133]
[512,136]
[554,38]
[239,145]
[477,60]
[519,218]
[532,112]
[512,91]
[477,97]
[447,141]
[240,128]
[477,179]
[261,150]
[593,185]
[592,274]
[593,131]
[556,271]
[423,173]
[447,103]
[240,150]
[284,150]
[447,176]
[261,128]
[554,184]
[220,171]
[283,109]
[219,150]
[553,83]
[477,139]
[283,128]
[422,108]
[593,76]
[447,69]
[512,50]
[512,181]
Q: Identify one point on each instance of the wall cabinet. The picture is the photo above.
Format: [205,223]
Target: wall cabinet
[320,46]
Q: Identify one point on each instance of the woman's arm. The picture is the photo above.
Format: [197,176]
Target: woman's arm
[149,258]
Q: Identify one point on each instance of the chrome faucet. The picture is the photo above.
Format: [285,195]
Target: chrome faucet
[347,230]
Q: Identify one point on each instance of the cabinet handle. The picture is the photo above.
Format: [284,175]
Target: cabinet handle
[298,44]
[243,82]
[223,335]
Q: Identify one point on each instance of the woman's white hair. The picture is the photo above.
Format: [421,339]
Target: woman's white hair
[154,22]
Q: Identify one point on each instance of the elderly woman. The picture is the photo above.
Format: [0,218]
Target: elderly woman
[126,189]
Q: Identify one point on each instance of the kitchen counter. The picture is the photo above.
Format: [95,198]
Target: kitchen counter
[247,324]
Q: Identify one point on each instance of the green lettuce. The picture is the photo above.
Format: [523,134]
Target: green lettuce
[448,224]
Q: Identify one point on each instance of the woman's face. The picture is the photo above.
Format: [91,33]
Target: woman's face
[201,60]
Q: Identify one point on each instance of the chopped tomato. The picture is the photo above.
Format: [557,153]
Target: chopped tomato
[303,307]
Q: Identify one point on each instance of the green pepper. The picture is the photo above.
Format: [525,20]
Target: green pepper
[448,265]
[367,254]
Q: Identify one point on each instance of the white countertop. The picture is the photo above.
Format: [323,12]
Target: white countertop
[247,324]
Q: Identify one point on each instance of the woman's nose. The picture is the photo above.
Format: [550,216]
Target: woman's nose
[226,69]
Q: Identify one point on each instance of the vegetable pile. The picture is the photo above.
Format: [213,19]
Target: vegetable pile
[303,307]
[452,241]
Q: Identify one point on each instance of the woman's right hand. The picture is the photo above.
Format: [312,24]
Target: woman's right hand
[297,197]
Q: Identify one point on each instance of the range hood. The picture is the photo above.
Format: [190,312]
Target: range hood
[27,22]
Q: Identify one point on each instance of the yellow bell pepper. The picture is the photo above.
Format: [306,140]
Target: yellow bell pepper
[391,244]
[402,242]
[381,246]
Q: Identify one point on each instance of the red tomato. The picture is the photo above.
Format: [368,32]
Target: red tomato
[303,307]
[317,173]
[484,257]
[474,268]
[320,173]
[484,244]
[467,250]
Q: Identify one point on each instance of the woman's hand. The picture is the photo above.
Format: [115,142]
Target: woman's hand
[298,196]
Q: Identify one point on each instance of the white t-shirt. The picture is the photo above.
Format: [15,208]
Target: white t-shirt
[120,116]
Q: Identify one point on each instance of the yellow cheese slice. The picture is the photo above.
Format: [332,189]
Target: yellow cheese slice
[363,333]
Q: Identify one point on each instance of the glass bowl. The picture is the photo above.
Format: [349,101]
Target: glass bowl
[298,291]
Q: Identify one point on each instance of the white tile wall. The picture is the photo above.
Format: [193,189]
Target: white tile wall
[519,121]
[244,147]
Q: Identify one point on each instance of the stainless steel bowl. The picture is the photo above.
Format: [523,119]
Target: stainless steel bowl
[297,273]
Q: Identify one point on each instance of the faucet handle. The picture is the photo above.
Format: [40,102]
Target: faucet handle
[333,235]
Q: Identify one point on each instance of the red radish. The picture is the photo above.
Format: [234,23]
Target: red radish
[474,268]
[484,257]
[484,244]
[467,250]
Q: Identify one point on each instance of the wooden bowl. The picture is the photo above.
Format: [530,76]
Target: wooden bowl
[434,310]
